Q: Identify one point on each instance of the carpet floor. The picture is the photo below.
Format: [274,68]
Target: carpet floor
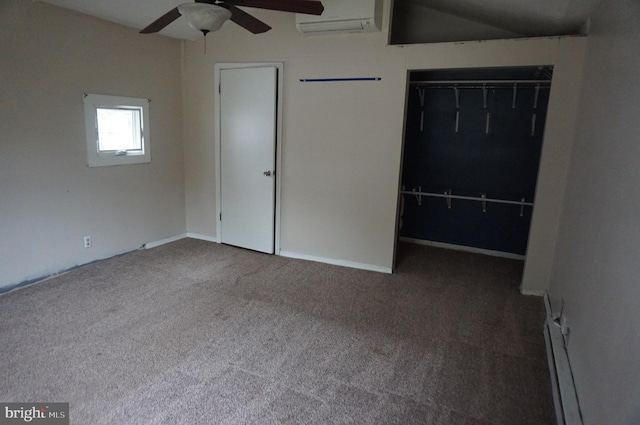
[194,332]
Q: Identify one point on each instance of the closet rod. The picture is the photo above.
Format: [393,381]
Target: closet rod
[468,198]
[508,82]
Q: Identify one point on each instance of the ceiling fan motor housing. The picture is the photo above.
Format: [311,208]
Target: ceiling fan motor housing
[209,15]
[204,17]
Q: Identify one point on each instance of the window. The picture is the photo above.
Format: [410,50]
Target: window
[117,130]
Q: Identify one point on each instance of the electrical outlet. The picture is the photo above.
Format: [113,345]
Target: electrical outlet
[87,241]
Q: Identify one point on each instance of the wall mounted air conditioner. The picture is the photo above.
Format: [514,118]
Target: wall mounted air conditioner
[343,16]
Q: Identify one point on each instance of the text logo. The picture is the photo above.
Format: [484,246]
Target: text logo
[34,413]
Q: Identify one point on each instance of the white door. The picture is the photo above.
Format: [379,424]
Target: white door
[247,157]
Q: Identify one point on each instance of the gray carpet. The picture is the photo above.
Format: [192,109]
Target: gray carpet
[199,333]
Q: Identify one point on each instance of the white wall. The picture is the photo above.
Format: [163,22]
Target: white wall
[49,198]
[597,265]
[342,142]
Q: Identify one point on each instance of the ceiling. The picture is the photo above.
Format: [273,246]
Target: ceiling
[525,17]
[132,13]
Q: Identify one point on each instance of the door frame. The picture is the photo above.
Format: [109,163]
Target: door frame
[218,67]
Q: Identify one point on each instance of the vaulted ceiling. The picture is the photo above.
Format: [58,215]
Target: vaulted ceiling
[431,21]
[505,18]
[132,13]
[529,18]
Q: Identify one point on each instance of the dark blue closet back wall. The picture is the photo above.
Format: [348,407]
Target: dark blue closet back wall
[497,156]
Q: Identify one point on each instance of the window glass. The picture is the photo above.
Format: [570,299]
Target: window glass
[117,130]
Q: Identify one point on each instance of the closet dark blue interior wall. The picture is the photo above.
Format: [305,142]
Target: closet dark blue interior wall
[472,144]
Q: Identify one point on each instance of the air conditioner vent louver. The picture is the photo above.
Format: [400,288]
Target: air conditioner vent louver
[343,16]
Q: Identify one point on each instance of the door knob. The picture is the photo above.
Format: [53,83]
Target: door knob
[267,173]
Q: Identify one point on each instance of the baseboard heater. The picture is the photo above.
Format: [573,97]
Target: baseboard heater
[565,397]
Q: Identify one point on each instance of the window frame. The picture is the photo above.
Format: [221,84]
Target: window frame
[98,158]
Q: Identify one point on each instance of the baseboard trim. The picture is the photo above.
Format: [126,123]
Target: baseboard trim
[565,397]
[181,236]
[165,241]
[471,249]
[336,262]
[203,237]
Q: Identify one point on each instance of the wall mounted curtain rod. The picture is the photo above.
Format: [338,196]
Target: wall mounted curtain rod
[481,82]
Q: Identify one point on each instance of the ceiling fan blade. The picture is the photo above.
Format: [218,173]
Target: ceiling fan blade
[245,20]
[309,7]
[162,21]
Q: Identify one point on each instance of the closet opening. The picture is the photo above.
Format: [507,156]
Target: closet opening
[471,153]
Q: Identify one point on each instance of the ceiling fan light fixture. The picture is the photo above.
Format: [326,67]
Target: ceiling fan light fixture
[204,17]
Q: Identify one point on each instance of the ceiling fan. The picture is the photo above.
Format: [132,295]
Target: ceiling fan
[209,15]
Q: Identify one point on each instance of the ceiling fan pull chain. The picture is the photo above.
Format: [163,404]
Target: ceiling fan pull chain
[204,33]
